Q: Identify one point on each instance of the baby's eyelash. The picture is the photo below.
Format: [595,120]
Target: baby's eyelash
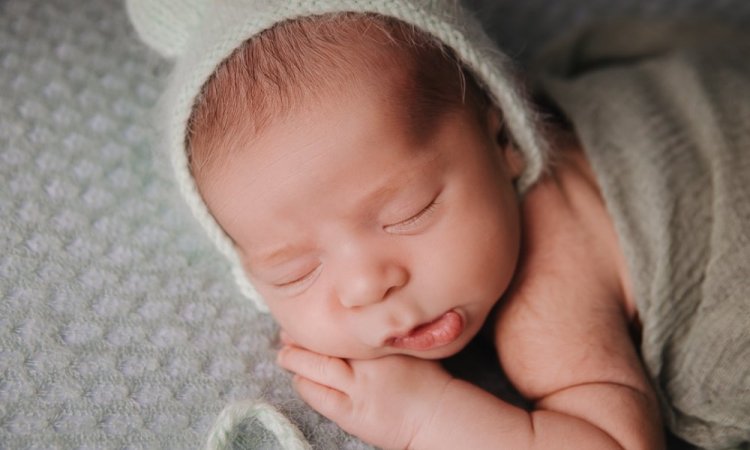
[414,220]
[300,280]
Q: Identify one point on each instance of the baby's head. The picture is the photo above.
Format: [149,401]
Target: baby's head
[366,182]
[354,169]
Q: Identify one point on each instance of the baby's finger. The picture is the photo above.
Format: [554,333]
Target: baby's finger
[322,369]
[331,403]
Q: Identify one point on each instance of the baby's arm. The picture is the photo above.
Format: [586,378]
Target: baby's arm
[470,418]
[563,334]
[404,402]
[575,359]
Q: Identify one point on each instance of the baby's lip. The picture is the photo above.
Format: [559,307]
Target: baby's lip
[429,335]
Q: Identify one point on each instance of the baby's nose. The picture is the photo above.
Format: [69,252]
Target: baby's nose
[365,284]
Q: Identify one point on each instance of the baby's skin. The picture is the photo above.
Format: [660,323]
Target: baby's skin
[380,250]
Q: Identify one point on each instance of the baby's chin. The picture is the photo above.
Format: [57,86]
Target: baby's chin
[435,354]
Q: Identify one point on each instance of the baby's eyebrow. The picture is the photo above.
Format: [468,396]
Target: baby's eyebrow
[386,190]
[402,178]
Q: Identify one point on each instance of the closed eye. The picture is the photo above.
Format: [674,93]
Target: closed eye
[414,221]
[301,280]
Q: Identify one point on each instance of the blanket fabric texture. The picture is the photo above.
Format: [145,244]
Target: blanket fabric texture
[120,326]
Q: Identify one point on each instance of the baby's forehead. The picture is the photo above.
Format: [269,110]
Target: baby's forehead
[263,82]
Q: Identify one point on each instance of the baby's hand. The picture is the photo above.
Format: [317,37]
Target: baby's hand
[383,401]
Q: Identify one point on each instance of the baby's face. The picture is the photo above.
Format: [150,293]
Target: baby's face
[365,241]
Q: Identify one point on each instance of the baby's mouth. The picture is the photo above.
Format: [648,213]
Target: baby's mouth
[441,331]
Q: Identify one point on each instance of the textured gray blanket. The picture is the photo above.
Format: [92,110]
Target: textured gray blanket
[119,326]
[663,112]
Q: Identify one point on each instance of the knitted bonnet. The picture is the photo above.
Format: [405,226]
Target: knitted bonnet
[200,34]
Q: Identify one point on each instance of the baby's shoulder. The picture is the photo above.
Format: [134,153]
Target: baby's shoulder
[566,320]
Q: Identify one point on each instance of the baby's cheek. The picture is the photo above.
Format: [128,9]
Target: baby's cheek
[304,323]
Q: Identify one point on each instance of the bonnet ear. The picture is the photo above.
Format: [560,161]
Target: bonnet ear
[166,25]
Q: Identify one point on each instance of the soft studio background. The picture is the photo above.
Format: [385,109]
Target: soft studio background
[119,324]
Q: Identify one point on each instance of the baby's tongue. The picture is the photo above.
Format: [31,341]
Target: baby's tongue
[441,331]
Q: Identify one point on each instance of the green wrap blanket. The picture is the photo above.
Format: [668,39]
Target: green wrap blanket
[663,113]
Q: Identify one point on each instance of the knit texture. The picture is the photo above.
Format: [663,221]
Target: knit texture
[119,325]
[664,118]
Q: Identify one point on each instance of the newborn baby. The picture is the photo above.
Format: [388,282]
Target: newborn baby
[388,201]
[368,186]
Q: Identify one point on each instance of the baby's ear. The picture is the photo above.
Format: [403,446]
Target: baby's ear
[166,25]
[503,144]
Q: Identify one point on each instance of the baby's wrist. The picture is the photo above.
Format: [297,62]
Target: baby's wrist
[429,434]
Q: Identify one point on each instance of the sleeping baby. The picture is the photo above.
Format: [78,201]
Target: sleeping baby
[376,175]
